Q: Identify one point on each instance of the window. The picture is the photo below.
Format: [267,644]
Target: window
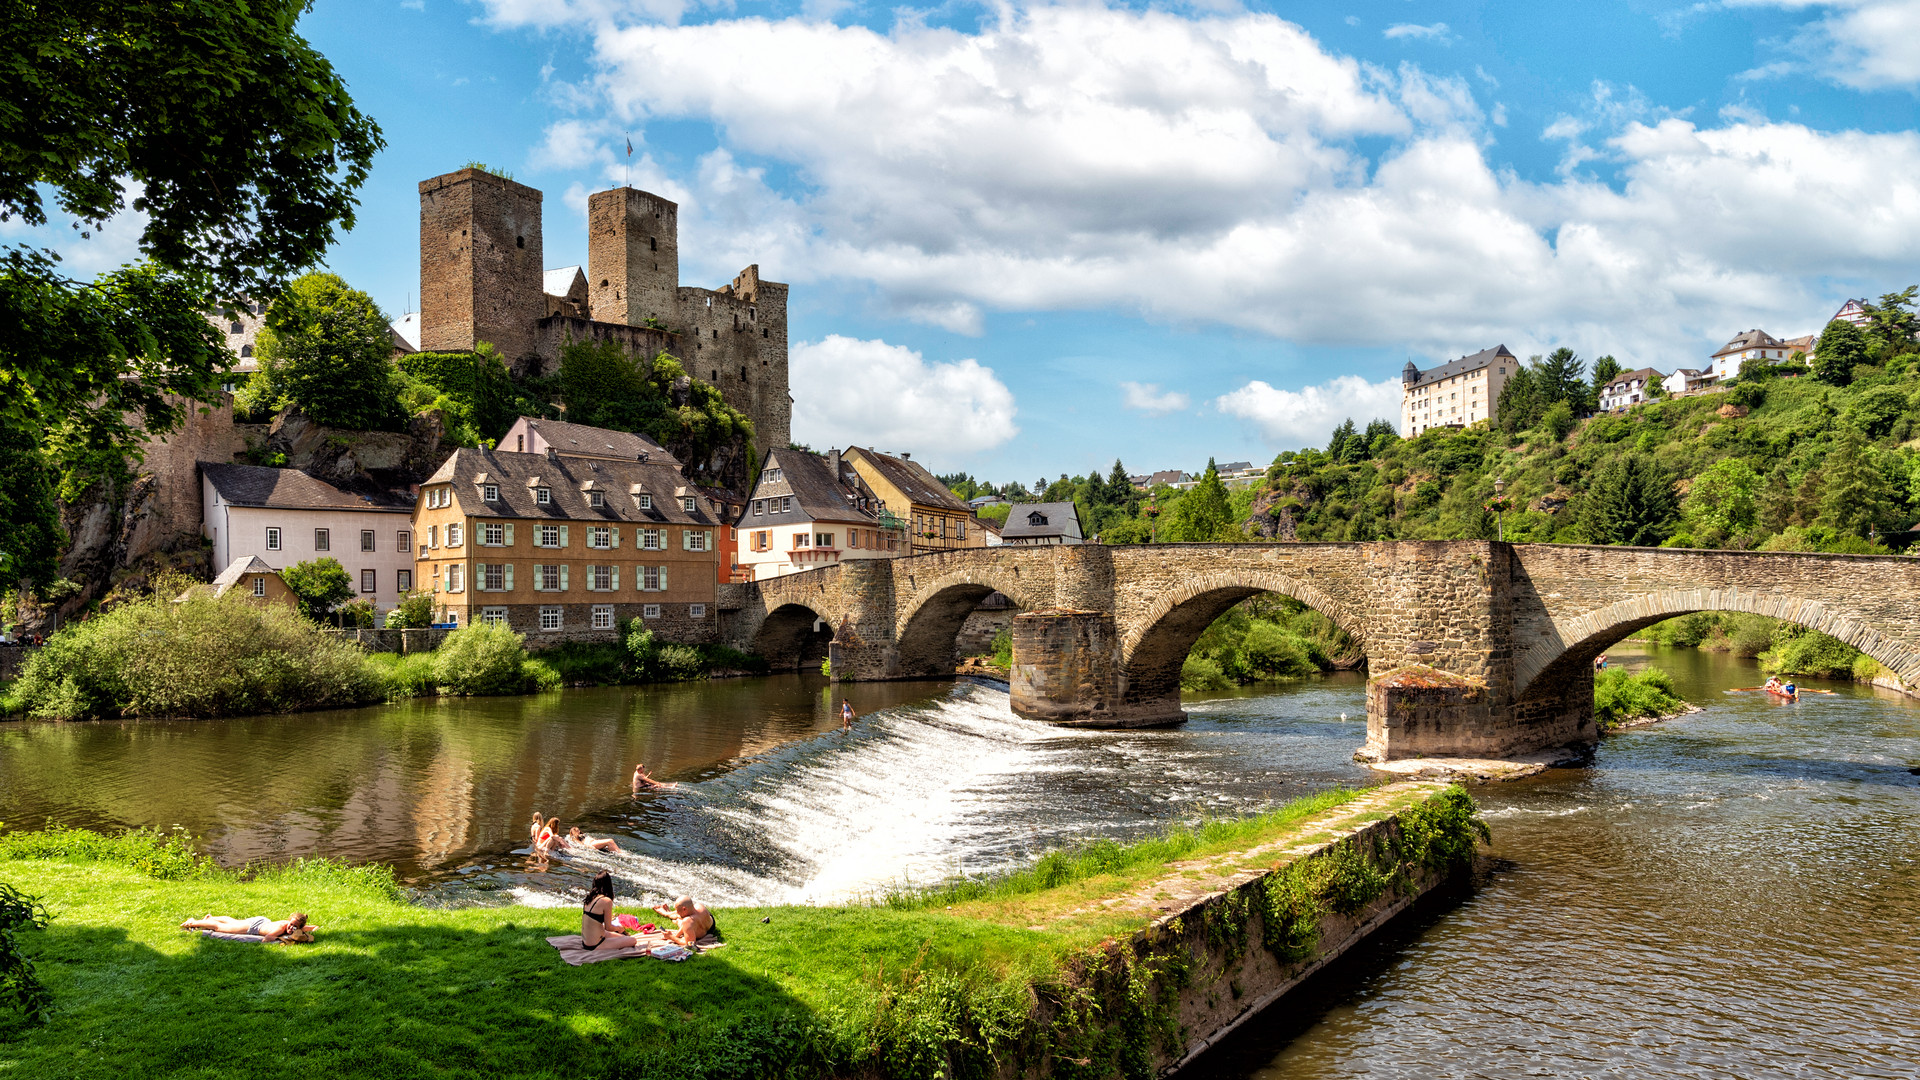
[603,616]
[454,535]
[547,536]
[403,580]
[492,533]
[321,540]
[823,540]
[689,504]
[456,578]
[759,506]
[650,539]
[696,539]
[786,503]
[542,495]
[696,611]
[490,492]
[645,501]
[963,528]
[650,611]
[601,578]
[600,536]
[259,584]
[433,536]
[451,619]
[596,500]
[236,328]
[369,581]
[273,539]
[492,577]
[403,542]
[549,577]
[550,618]
[801,540]
[853,538]
[761,540]
[493,616]
[771,476]
[1036,518]
[246,351]
[653,578]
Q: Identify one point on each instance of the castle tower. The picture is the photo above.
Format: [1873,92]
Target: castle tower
[633,257]
[480,263]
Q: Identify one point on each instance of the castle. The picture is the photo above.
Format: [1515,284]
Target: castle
[482,278]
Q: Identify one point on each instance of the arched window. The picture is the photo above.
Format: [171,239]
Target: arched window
[246,350]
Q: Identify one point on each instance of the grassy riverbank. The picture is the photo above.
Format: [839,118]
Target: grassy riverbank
[914,988]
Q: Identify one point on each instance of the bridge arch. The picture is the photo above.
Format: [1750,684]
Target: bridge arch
[1156,644]
[791,634]
[931,621]
[1576,641]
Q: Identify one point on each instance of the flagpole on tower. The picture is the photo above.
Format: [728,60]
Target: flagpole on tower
[629,159]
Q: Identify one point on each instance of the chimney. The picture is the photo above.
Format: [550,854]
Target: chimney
[905,456]
[833,463]
[552,454]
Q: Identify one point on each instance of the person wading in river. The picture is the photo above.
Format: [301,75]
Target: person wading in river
[643,782]
[846,715]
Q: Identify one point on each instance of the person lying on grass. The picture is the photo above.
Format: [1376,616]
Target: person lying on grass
[293,928]
[695,921]
[576,838]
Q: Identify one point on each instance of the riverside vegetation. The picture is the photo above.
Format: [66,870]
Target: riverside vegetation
[206,656]
[952,982]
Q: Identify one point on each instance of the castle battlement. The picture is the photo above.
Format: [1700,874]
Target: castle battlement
[482,278]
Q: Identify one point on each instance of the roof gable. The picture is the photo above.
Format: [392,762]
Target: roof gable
[913,480]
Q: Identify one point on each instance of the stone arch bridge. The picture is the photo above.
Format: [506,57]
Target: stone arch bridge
[1476,648]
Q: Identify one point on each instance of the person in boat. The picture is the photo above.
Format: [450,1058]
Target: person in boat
[596,915]
[1789,689]
[577,839]
[693,920]
[1773,683]
[290,929]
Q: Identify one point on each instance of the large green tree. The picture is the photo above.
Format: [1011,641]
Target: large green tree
[319,584]
[1630,502]
[1563,377]
[30,534]
[218,123]
[1724,501]
[1892,325]
[1203,513]
[1854,497]
[326,351]
[1841,346]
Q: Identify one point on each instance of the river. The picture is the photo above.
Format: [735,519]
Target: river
[1733,893]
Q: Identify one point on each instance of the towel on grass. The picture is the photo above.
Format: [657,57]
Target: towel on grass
[575,952]
[251,939]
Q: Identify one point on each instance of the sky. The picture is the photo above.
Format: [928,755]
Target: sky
[1029,239]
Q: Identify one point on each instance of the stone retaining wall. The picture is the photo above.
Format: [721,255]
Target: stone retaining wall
[13,658]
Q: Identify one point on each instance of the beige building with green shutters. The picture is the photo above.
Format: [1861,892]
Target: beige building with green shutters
[564,548]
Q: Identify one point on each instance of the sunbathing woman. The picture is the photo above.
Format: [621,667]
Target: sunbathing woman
[596,914]
[293,928]
[533,835]
[547,839]
[576,838]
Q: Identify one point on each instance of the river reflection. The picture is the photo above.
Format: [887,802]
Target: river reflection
[1729,894]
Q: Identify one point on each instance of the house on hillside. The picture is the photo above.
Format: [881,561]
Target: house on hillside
[1629,388]
[284,517]
[1038,524]
[809,510]
[935,518]
[1454,394]
[564,548]
[530,435]
[1853,311]
[1756,345]
[253,578]
[1169,477]
[1684,380]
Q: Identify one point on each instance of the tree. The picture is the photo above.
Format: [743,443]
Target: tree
[1841,346]
[1562,377]
[1558,420]
[1520,406]
[238,143]
[1723,501]
[476,395]
[1205,512]
[1854,496]
[30,533]
[319,585]
[1380,435]
[1605,370]
[1336,446]
[324,350]
[1891,324]
[1630,502]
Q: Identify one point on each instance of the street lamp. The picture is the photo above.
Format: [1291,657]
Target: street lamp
[1499,504]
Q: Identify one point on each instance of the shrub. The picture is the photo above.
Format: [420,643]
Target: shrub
[356,614]
[1619,696]
[201,656]
[414,612]
[1865,668]
[481,659]
[1800,651]
[319,584]
[655,661]
[168,856]
[406,676]
[1272,651]
[1003,648]
[1750,395]
[1686,632]
[537,674]
[1202,673]
[599,663]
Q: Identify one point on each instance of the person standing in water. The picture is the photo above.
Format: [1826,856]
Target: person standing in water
[846,715]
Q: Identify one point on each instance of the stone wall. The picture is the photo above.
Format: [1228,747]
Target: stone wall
[13,658]
[481,264]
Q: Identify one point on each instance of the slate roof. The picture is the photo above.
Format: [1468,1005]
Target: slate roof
[1474,362]
[568,480]
[1623,382]
[287,489]
[1167,476]
[919,485]
[1752,339]
[808,477]
[584,441]
[1062,520]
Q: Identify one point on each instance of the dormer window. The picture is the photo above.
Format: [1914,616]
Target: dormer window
[490,492]
[689,504]
[543,495]
[645,501]
[1036,518]
[595,500]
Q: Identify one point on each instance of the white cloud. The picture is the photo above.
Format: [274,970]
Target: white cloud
[1436,32]
[1864,44]
[1288,419]
[870,393]
[1210,169]
[1147,398]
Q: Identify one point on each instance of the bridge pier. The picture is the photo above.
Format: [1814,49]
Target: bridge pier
[1067,670]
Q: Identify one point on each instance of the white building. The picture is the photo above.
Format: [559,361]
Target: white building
[1686,379]
[283,517]
[808,511]
[1629,388]
[1751,345]
[1455,394]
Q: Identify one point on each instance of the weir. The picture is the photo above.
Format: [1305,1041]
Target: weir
[1477,648]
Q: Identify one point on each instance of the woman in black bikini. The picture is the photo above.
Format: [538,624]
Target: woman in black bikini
[596,912]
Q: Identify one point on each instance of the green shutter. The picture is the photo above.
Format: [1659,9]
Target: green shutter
[563,536]
[710,546]
[663,579]
[509,574]
[614,536]
[509,534]
[563,577]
